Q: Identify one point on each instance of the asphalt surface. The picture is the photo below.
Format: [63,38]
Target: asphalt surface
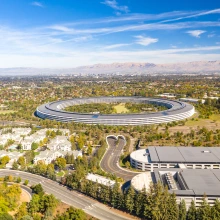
[72,198]
[110,160]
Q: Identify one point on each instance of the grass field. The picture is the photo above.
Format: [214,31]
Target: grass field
[211,123]
[120,108]
[2,112]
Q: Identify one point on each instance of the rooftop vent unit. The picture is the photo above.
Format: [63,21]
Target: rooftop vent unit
[206,151]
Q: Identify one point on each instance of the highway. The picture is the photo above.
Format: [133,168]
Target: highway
[110,160]
[72,198]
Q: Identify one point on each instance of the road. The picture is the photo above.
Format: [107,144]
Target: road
[110,160]
[15,123]
[72,198]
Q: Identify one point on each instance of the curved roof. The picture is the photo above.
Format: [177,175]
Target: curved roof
[54,110]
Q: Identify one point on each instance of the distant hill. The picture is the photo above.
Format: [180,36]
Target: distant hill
[202,67]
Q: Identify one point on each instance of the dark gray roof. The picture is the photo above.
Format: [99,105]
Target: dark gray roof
[184,154]
[199,182]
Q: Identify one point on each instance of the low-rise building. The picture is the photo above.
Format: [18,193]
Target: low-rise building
[60,143]
[173,157]
[26,144]
[187,184]
[100,179]
[48,156]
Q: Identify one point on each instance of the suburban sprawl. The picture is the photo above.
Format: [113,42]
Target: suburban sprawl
[134,147]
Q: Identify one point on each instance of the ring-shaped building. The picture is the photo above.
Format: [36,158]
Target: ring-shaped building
[176,111]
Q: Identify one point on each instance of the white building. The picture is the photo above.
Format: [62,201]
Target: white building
[173,157]
[60,143]
[26,144]
[100,179]
[48,156]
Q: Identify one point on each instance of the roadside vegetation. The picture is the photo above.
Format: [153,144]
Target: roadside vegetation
[41,206]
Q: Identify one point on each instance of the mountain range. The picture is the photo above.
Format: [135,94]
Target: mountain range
[197,67]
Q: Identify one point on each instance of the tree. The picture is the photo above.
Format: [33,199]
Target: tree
[48,202]
[5,216]
[38,189]
[191,214]
[15,165]
[18,179]
[27,217]
[21,162]
[22,211]
[129,199]
[19,147]
[34,146]
[61,162]
[139,202]
[215,210]
[114,195]
[29,156]
[3,205]
[127,164]
[26,182]
[160,204]
[34,204]
[51,172]
[4,160]
[72,214]
[204,210]
[89,150]
[172,207]
[182,210]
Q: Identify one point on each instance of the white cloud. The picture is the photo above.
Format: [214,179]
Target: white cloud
[195,33]
[114,4]
[215,11]
[60,28]
[113,46]
[38,4]
[132,27]
[145,41]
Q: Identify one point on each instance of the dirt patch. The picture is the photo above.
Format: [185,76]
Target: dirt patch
[61,208]
[25,197]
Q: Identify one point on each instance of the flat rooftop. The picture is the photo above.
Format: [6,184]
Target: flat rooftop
[198,182]
[183,155]
[100,179]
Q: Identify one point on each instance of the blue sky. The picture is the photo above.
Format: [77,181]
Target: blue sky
[70,33]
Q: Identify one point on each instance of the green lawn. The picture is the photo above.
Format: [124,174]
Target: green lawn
[60,174]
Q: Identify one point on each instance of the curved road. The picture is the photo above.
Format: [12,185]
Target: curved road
[72,198]
[110,160]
